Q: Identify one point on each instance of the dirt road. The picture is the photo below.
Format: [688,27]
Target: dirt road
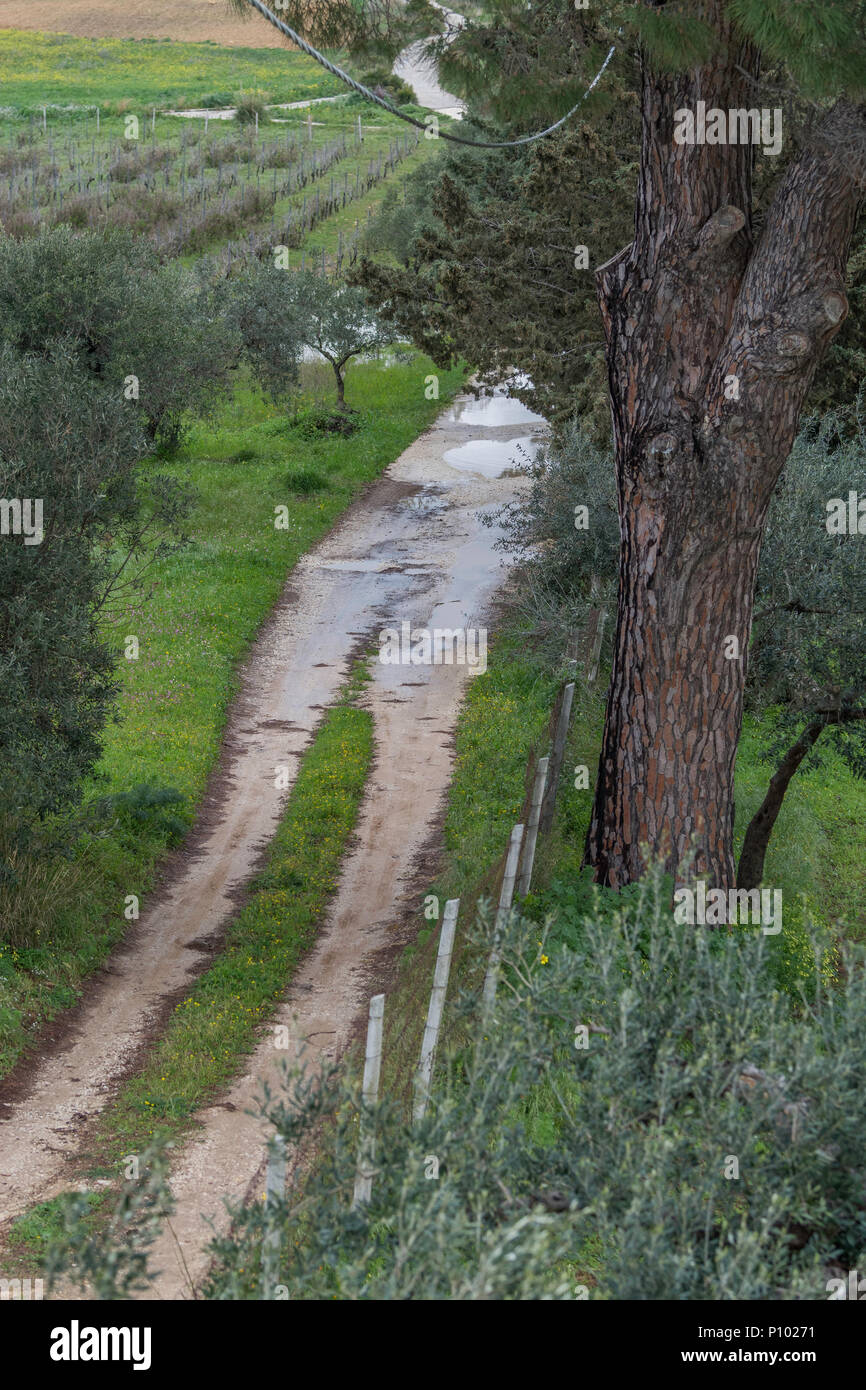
[411,549]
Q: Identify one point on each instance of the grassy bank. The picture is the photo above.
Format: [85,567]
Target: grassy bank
[817,857]
[60,69]
[817,854]
[818,846]
[205,608]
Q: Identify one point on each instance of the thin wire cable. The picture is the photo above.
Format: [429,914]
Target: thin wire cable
[411,120]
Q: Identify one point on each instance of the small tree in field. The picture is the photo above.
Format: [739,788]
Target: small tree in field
[262,310]
[808,654]
[337,323]
[276,313]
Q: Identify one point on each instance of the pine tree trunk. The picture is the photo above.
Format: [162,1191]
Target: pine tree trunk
[712,343]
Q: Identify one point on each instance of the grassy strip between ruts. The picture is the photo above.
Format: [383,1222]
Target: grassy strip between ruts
[218,1022]
[207,604]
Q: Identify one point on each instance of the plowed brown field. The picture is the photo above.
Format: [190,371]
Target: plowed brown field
[191,20]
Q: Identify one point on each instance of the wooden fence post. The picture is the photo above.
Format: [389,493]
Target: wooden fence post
[527,858]
[424,1074]
[372,1067]
[594,631]
[275,1187]
[556,756]
[505,898]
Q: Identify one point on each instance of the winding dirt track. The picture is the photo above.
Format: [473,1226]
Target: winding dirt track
[412,548]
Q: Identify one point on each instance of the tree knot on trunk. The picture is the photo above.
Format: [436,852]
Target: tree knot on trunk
[661,449]
[835,306]
[811,322]
[786,350]
[719,231]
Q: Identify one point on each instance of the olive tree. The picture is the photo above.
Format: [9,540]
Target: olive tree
[337,323]
[808,652]
[72,517]
[152,335]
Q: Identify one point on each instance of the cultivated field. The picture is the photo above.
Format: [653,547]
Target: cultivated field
[191,20]
[194,190]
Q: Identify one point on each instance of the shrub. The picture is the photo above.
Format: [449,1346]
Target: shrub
[642,1116]
[81,318]
[313,423]
[565,569]
[388,85]
[249,106]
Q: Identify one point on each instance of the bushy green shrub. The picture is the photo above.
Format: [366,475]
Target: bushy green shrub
[251,108]
[568,557]
[318,420]
[151,336]
[694,1067]
[642,1116]
[388,85]
[101,353]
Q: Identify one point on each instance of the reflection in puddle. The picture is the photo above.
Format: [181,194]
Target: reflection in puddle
[493,457]
[425,502]
[492,411]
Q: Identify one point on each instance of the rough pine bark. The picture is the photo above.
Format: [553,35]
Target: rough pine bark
[712,340]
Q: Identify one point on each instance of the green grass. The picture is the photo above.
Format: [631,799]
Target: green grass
[503,719]
[818,847]
[219,1021]
[59,69]
[32,1234]
[206,607]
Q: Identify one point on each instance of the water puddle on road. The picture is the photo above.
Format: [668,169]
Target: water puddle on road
[492,411]
[492,457]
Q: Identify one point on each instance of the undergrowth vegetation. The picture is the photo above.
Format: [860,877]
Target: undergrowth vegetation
[643,1116]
